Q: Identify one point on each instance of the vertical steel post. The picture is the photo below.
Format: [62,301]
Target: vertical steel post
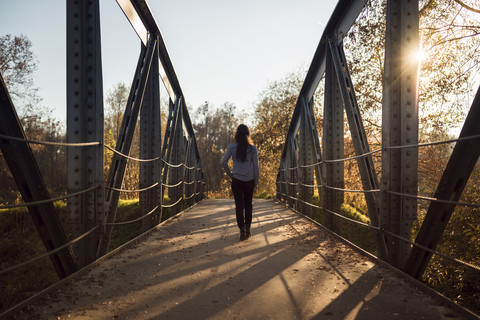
[150,146]
[306,161]
[400,125]
[190,173]
[281,181]
[175,174]
[291,163]
[317,155]
[84,124]
[333,142]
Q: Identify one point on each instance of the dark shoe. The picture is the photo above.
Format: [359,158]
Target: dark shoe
[247,232]
[243,235]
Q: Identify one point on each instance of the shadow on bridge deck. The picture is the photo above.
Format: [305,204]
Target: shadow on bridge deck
[194,267]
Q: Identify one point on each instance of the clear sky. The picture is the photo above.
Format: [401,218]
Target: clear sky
[222,51]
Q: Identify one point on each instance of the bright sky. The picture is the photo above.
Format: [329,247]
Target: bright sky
[222,51]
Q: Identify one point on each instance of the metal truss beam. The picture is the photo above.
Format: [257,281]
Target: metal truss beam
[292,171]
[176,173]
[143,22]
[306,155]
[310,157]
[85,124]
[315,142]
[360,140]
[168,142]
[400,126]
[150,146]
[342,18]
[125,137]
[23,166]
[459,168]
[333,143]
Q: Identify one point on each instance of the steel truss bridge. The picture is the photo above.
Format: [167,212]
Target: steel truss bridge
[306,163]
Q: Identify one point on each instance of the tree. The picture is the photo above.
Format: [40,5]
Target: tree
[17,66]
[450,41]
[117,99]
[272,115]
[214,131]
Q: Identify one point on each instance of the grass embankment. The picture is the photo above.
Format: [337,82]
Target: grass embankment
[20,242]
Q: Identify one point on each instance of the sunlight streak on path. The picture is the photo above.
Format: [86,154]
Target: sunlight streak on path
[194,267]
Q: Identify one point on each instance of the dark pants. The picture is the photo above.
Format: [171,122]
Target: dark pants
[243,194]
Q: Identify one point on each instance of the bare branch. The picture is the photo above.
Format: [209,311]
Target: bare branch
[467,6]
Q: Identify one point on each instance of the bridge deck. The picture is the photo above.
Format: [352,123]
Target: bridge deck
[194,267]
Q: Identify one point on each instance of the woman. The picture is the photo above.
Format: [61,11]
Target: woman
[244,177]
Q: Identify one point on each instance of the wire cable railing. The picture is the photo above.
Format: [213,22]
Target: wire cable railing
[450,258]
[77,239]
[33,203]
[427,144]
[49,253]
[132,221]
[137,190]
[432,199]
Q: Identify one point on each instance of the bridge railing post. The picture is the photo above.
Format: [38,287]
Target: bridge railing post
[84,124]
[150,146]
[400,125]
[309,151]
[333,142]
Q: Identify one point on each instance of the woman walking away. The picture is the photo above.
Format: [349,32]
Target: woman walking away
[244,177]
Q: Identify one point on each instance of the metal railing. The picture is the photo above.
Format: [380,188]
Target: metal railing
[392,201]
[92,203]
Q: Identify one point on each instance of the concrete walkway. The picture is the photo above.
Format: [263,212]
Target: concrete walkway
[194,267]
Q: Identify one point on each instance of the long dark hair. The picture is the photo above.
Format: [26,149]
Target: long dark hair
[242,138]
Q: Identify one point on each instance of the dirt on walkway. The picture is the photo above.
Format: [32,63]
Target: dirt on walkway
[195,267]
